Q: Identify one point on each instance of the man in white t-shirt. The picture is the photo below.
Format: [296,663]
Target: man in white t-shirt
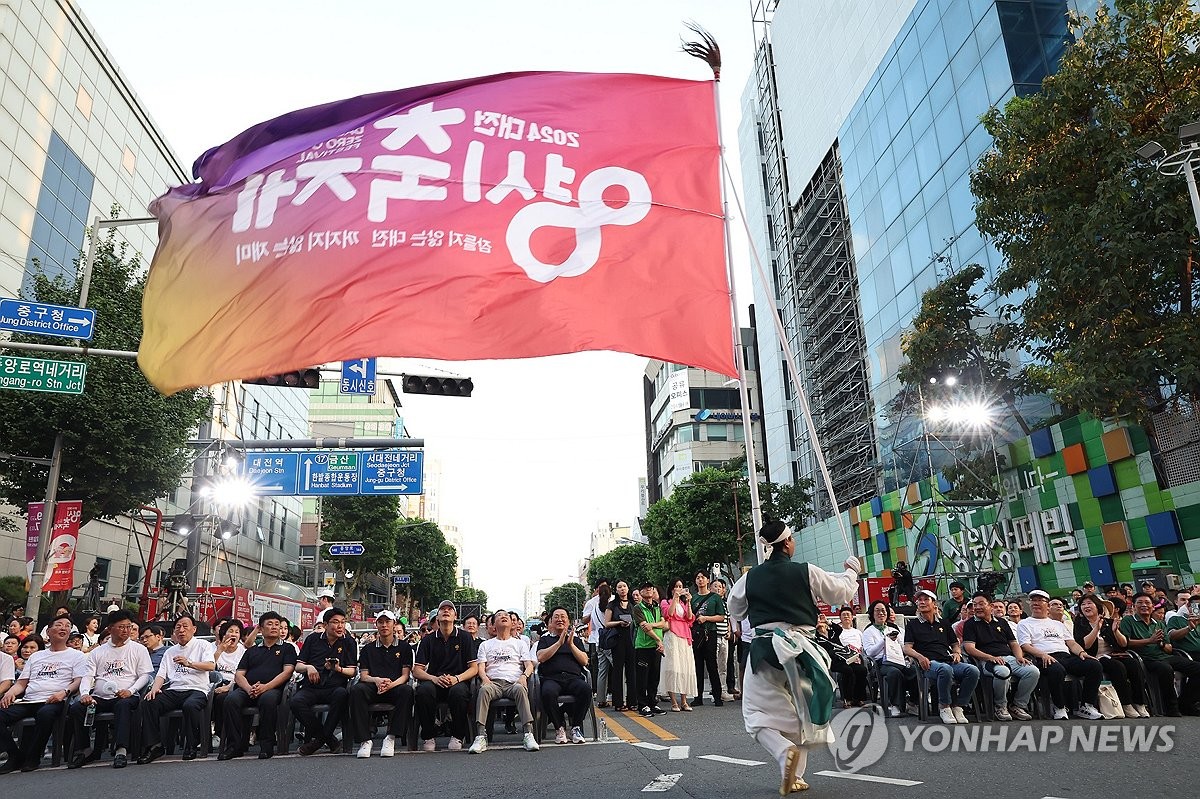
[505,668]
[1052,647]
[49,678]
[8,672]
[117,670]
[186,665]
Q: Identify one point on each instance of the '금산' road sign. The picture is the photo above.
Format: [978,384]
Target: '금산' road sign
[328,473]
[41,319]
[358,377]
[42,374]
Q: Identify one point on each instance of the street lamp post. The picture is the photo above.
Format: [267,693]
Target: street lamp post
[1183,161]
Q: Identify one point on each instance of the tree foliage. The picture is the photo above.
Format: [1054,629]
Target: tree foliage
[468,594]
[1099,247]
[370,519]
[124,444]
[422,551]
[628,562]
[571,596]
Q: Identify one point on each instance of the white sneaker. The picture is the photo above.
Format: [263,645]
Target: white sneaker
[430,745]
[560,735]
[1059,714]
[479,746]
[959,716]
[1019,713]
[1086,711]
[1130,711]
[388,747]
[894,712]
[364,750]
[1141,709]
[1002,714]
[947,716]
[577,736]
[727,697]
[455,745]
[531,744]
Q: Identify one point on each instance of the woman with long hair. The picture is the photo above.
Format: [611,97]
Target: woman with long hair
[30,645]
[91,633]
[678,669]
[595,619]
[618,625]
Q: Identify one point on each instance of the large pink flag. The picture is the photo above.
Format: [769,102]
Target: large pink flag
[502,217]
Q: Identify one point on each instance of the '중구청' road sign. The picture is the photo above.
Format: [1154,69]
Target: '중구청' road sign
[41,319]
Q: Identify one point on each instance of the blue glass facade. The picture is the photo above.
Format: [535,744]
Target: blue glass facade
[62,211]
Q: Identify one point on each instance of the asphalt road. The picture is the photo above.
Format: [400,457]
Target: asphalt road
[684,744]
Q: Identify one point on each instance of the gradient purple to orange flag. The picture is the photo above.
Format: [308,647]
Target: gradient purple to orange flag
[509,216]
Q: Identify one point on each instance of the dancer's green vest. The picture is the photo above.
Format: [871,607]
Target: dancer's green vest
[777,591]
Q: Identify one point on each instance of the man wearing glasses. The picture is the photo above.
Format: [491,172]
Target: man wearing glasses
[116,671]
[152,638]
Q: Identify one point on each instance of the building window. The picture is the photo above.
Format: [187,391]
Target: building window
[102,567]
[133,578]
[718,432]
[62,209]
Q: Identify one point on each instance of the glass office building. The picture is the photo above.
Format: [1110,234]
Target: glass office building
[857,174]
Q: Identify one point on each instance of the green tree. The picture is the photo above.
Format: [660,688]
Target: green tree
[422,551]
[1099,248]
[571,596]
[371,519]
[466,593]
[628,562]
[124,444]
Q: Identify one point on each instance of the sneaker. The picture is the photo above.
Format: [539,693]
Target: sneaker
[560,735]
[959,716]
[727,697]
[577,736]
[309,748]
[215,744]
[455,744]
[1086,711]
[1002,714]
[911,709]
[364,749]
[1130,711]
[1019,713]
[1142,711]
[1059,714]
[430,745]
[531,744]
[645,711]
[479,745]
[893,712]
[658,711]
[947,716]
[388,747]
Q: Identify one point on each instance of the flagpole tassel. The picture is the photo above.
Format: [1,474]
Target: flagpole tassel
[706,49]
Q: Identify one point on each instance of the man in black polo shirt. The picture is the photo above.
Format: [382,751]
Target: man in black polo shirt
[383,672]
[991,641]
[258,682]
[445,665]
[932,643]
[327,661]
[562,656]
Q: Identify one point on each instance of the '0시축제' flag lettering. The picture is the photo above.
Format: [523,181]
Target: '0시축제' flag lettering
[501,217]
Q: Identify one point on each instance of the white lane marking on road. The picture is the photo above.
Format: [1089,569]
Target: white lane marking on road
[679,752]
[652,747]
[868,778]
[663,782]
[735,761]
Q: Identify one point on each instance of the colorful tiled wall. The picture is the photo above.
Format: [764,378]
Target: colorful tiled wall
[1081,502]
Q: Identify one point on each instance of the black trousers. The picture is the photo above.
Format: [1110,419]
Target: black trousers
[124,711]
[46,715]
[192,703]
[854,679]
[705,654]
[1122,673]
[363,695]
[303,701]
[236,737]
[649,664]
[458,696]
[1053,677]
[577,688]
[1164,671]
[623,668]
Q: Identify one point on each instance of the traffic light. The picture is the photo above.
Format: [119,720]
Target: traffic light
[441,386]
[301,378]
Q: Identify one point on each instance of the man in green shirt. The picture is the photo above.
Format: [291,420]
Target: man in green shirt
[1149,638]
[1184,632]
[952,607]
[709,608]
[648,650]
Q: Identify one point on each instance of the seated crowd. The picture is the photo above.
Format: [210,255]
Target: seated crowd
[133,680]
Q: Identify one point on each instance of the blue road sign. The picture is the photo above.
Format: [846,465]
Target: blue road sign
[41,319]
[346,550]
[328,473]
[273,473]
[396,471]
[401,579]
[358,377]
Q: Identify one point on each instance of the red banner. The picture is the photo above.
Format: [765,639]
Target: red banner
[64,537]
[510,216]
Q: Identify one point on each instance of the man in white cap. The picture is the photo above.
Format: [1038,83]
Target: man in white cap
[1052,646]
[384,668]
[932,642]
[787,700]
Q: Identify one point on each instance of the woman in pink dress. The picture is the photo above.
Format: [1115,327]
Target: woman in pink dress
[678,667]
